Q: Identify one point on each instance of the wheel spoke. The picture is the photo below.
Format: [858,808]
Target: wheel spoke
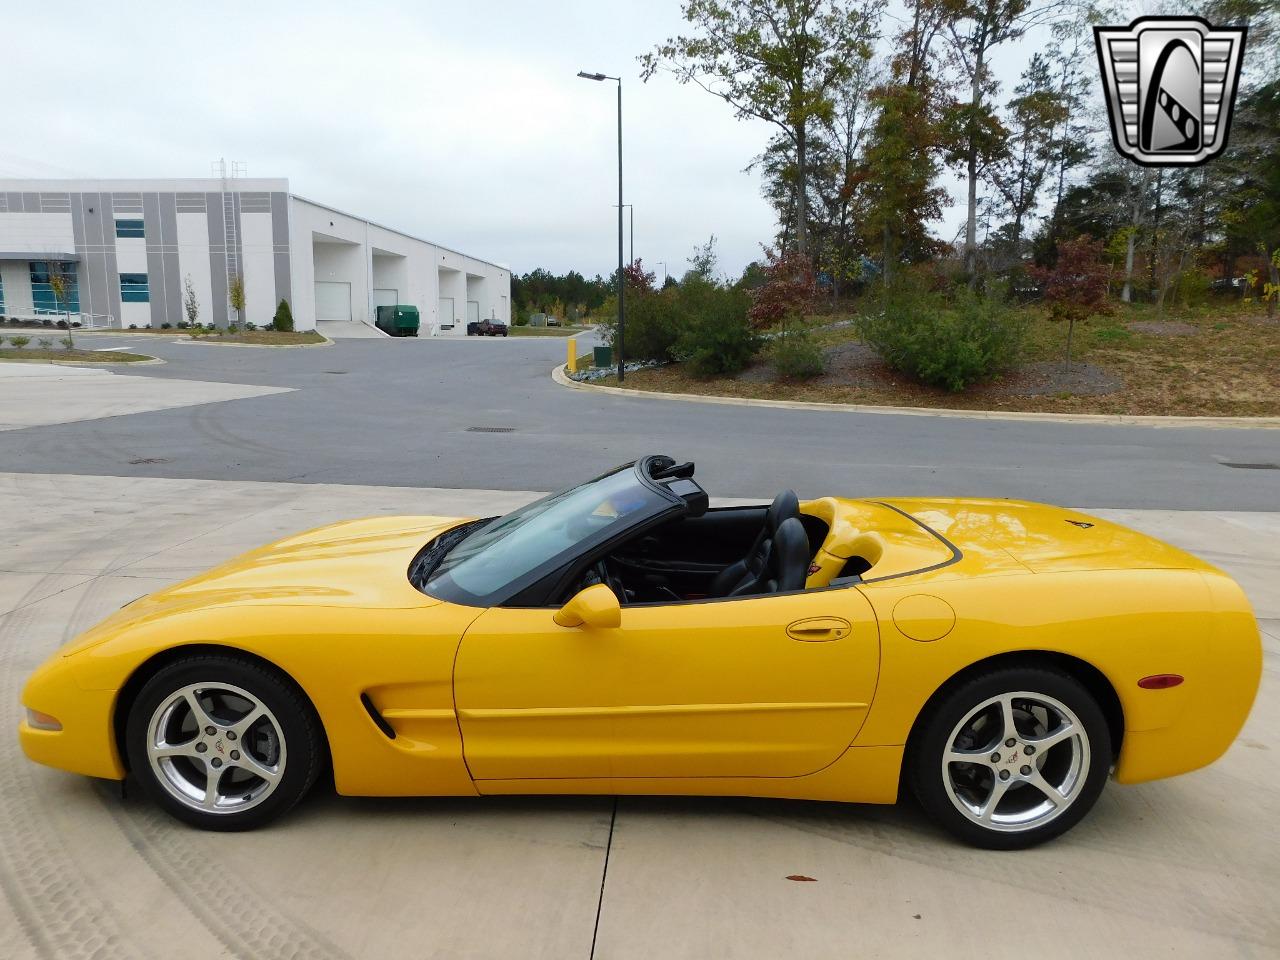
[1052,793]
[241,726]
[198,712]
[210,800]
[981,757]
[256,767]
[1042,744]
[988,810]
[162,751]
[1009,728]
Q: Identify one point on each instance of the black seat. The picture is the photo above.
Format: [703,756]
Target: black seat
[748,575]
[789,558]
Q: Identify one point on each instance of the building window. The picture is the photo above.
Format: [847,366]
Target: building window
[1,296]
[42,296]
[134,288]
[129,228]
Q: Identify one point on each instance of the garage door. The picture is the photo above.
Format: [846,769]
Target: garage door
[473,311]
[446,313]
[333,300]
[385,297]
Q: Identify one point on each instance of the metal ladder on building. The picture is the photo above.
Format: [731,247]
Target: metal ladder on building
[228,174]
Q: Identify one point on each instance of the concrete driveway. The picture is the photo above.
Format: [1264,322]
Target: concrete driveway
[1186,867]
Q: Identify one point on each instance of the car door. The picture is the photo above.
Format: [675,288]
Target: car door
[769,686]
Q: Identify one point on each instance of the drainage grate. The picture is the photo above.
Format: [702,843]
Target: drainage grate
[1251,466]
[150,460]
[491,429]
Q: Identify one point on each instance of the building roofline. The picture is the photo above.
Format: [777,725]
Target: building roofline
[142,184]
[401,233]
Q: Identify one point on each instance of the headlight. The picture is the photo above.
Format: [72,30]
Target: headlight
[42,721]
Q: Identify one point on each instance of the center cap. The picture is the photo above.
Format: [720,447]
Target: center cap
[1012,760]
[217,745]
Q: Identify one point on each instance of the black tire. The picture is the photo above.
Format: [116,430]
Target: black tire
[303,745]
[930,741]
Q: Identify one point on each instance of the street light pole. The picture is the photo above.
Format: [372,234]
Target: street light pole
[622,276]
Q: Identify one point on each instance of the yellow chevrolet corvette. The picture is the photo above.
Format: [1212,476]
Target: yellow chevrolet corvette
[999,659]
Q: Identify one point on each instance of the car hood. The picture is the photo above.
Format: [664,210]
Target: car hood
[1046,539]
[354,563]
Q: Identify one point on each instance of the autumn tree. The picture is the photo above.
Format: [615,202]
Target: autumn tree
[780,61]
[1075,287]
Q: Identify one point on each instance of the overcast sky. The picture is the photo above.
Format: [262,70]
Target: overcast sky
[463,123]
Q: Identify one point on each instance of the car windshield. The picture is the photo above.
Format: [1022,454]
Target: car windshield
[498,555]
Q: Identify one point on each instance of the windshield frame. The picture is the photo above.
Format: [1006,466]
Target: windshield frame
[663,505]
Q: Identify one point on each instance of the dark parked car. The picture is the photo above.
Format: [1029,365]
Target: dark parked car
[486,328]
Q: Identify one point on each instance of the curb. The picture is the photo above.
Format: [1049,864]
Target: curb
[259,346]
[150,361]
[1110,419]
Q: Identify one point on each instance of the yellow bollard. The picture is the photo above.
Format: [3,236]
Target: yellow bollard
[572,365]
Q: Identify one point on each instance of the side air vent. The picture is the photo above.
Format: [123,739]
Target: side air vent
[376,717]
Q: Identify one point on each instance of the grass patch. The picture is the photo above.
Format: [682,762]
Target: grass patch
[264,337]
[545,331]
[38,355]
[1230,366]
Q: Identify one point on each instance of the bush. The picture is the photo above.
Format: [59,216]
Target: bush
[19,342]
[944,345]
[166,325]
[716,337]
[520,320]
[133,326]
[796,356]
[45,343]
[283,320]
[182,325]
[61,324]
[233,327]
[67,343]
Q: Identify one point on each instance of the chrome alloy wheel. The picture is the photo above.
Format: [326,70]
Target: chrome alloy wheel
[1016,762]
[215,748]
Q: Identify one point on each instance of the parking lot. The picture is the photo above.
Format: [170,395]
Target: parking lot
[101,509]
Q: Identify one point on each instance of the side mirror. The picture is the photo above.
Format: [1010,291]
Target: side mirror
[596,607]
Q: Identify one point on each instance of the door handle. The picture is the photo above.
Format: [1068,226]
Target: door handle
[819,629]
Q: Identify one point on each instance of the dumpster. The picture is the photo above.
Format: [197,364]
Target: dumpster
[400,320]
[603,356]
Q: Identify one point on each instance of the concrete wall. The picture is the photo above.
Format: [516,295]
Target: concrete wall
[279,247]
[377,257]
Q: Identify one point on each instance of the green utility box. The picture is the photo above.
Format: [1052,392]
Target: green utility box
[603,356]
[400,320]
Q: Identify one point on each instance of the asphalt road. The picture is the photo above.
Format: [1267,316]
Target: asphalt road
[401,413]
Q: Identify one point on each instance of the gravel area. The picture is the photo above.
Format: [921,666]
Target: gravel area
[1165,328]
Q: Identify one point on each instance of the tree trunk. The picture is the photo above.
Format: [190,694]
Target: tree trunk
[888,252]
[971,169]
[1071,328]
[1274,272]
[1126,294]
[802,198]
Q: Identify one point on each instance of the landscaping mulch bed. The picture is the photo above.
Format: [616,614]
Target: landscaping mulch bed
[37,355]
[1165,328]
[1228,366]
[264,338]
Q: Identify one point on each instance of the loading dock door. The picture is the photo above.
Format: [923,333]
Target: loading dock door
[446,313]
[473,311]
[333,300]
[385,297]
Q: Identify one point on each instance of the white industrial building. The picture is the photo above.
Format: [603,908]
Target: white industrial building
[127,249]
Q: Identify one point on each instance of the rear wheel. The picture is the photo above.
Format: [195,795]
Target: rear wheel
[1011,759]
[223,743]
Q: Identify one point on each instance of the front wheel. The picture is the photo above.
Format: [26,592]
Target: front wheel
[1012,758]
[223,743]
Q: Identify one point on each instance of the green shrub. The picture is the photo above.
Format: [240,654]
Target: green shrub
[45,343]
[67,343]
[716,337]
[940,344]
[652,325]
[797,356]
[283,320]
[1192,288]
[520,319]
[19,342]
[165,326]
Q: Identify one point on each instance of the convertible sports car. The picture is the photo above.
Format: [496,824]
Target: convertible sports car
[998,658]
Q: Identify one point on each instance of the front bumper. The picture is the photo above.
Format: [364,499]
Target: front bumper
[86,743]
